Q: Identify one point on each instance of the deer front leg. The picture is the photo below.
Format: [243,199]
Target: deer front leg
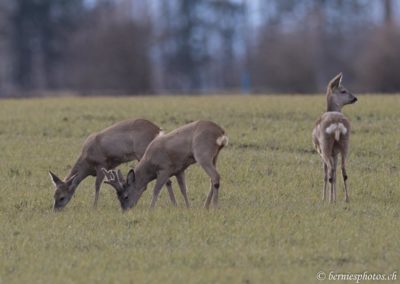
[161,180]
[99,181]
[182,186]
[171,192]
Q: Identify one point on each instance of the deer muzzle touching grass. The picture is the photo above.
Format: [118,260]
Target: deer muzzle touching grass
[122,142]
[170,155]
[331,136]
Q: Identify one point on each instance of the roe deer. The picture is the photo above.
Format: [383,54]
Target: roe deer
[122,142]
[170,155]
[331,135]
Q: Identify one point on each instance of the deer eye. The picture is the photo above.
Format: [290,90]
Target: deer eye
[62,199]
[343,92]
[123,196]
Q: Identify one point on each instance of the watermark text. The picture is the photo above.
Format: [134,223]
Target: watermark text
[356,277]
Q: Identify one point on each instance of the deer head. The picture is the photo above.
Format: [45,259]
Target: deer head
[126,190]
[337,95]
[64,190]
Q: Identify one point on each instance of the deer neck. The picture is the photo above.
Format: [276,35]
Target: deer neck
[80,170]
[331,105]
[143,174]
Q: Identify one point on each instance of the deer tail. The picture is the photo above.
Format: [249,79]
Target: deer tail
[337,134]
[337,129]
[222,140]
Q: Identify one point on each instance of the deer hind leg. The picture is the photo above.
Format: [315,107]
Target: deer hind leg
[171,192]
[326,155]
[216,190]
[99,181]
[209,167]
[344,174]
[325,188]
[209,197]
[214,186]
[329,172]
[182,185]
[328,165]
[161,180]
[333,175]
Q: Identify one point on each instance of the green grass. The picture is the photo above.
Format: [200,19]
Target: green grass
[271,226]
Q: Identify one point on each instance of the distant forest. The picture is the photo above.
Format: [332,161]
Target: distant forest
[197,46]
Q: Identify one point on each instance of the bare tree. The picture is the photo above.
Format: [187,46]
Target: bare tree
[110,53]
[6,86]
[41,29]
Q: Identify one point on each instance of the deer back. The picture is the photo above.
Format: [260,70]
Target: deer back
[122,142]
[181,147]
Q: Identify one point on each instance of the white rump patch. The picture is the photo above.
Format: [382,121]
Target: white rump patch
[342,128]
[331,128]
[337,128]
[222,140]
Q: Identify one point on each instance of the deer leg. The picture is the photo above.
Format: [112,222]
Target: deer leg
[161,180]
[215,194]
[344,174]
[209,196]
[210,169]
[182,185]
[171,192]
[216,184]
[335,159]
[329,165]
[325,189]
[99,180]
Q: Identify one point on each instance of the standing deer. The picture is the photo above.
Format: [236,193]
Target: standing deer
[331,135]
[122,142]
[170,155]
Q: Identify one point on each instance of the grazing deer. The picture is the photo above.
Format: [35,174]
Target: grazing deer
[170,155]
[122,142]
[331,135]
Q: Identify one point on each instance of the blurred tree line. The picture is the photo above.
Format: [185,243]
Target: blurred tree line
[155,46]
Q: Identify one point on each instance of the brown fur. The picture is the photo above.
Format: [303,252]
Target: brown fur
[330,145]
[122,142]
[170,155]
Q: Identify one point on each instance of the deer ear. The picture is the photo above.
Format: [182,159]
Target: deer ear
[72,180]
[120,176]
[336,82]
[56,181]
[130,178]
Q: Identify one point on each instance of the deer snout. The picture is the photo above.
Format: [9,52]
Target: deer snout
[354,100]
[57,208]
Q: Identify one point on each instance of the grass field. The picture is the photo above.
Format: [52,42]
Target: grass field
[271,227]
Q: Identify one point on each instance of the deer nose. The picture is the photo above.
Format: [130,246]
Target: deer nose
[57,209]
[354,100]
